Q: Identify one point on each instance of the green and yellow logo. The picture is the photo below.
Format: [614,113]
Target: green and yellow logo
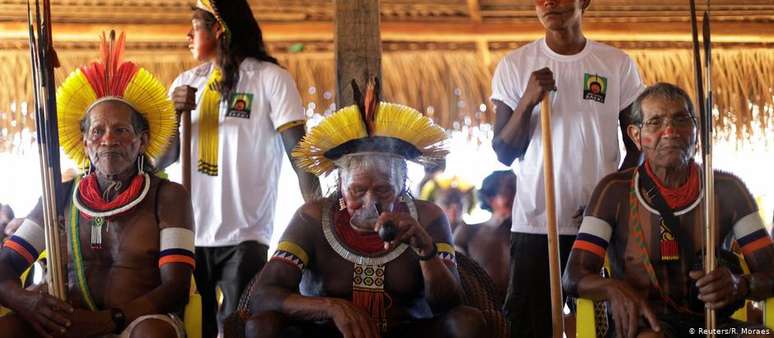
[594,87]
[240,105]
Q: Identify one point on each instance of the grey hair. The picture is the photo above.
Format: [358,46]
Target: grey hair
[393,167]
[662,90]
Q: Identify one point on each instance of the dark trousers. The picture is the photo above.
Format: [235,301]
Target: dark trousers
[528,301]
[229,268]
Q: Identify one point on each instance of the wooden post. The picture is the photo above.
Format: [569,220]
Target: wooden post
[553,237]
[358,46]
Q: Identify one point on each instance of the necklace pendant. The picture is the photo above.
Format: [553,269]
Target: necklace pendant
[96,232]
[668,247]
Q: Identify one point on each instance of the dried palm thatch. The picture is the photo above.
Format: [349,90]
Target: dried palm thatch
[16,84]
[448,85]
[742,81]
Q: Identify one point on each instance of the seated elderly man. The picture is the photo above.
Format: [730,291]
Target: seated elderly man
[128,232]
[649,222]
[354,283]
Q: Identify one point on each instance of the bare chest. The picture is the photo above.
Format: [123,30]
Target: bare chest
[332,275]
[128,240]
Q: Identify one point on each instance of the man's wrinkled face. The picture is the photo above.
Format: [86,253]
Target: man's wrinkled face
[668,134]
[202,41]
[111,142]
[365,190]
[559,14]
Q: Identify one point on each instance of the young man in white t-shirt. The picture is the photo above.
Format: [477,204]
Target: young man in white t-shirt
[244,109]
[591,87]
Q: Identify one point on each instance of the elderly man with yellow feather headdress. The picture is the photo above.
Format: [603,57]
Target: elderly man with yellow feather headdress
[129,233]
[355,283]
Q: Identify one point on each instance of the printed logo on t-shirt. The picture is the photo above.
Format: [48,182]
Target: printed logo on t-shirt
[594,87]
[239,105]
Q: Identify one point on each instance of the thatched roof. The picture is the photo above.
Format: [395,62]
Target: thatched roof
[438,54]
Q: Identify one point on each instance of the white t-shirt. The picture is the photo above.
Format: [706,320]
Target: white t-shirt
[238,204]
[593,86]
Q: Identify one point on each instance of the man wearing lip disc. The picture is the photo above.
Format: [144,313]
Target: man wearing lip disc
[593,86]
[332,275]
[128,234]
[649,223]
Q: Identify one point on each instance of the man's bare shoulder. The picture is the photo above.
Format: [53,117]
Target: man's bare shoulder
[308,217]
[611,190]
[313,209]
[171,193]
[173,204]
[617,182]
[305,228]
[733,193]
[428,212]
[465,233]
[727,182]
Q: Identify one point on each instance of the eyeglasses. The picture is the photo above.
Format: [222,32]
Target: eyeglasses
[682,121]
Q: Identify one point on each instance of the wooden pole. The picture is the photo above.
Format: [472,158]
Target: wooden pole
[709,235]
[705,114]
[709,175]
[553,237]
[358,46]
[185,149]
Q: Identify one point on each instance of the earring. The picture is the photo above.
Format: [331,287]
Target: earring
[342,204]
[87,172]
[140,164]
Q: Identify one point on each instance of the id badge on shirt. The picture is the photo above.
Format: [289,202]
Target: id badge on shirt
[239,105]
[594,87]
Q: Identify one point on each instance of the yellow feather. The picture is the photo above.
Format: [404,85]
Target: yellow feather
[149,96]
[144,92]
[72,98]
[408,124]
[336,129]
[392,120]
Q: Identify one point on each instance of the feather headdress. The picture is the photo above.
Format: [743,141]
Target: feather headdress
[207,5]
[370,126]
[111,78]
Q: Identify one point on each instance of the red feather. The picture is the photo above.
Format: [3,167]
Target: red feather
[110,76]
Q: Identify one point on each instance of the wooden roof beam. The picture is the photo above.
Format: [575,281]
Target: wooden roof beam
[474,10]
[413,31]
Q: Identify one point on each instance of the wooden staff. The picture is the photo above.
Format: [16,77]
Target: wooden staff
[185,149]
[710,225]
[43,61]
[553,237]
[705,112]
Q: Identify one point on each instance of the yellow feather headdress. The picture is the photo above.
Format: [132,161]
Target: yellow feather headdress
[112,79]
[370,126]
[207,5]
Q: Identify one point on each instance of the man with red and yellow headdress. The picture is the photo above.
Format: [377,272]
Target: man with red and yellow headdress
[129,233]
